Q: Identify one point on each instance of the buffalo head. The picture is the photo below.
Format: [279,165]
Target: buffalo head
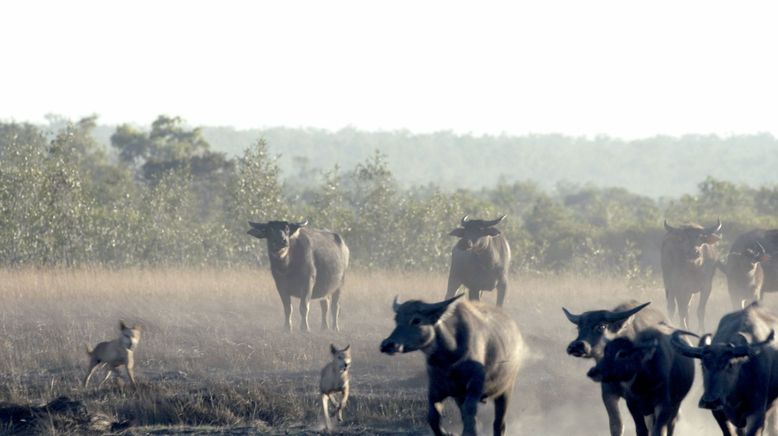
[721,363]
[688,240]
[415,325]
[277,233]
[595,328]
[471,231]
[622,359]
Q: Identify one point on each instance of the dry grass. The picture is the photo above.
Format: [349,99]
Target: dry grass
[213,354]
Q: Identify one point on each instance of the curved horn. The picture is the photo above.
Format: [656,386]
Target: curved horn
[575,319]
[684,348]
[303,223]
[669,228]
[618,316]
[714,228]
[494,222]
[752,349]
[396,303]
[465,220]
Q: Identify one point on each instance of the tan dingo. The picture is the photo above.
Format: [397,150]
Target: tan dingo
[335,380]
[115,353]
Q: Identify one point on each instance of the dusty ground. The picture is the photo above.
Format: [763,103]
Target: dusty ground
[213,356]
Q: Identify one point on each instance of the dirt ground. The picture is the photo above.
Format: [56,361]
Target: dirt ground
[214,358]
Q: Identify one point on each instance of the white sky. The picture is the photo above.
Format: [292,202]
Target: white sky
[623,68]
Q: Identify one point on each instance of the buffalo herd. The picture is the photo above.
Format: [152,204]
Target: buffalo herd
[473,349]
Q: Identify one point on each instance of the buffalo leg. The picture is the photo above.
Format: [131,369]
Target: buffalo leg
[500,409]
[433,414]
[670,295]
[453,285]
[640,421]
[325,308]
[335,310]
[286,301]
[611,401]
[704,295]
[476,377]
[684,301]
[474,294]
[502,287]
[755,424]
[305,305]
[721,420]
[665,418]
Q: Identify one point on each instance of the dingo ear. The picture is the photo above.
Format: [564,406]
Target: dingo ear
[122,326]
[137,327]
[333,350]
[348,347]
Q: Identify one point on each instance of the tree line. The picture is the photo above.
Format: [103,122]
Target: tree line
[164,196]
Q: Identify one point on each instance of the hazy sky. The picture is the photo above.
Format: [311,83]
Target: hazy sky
[622,68]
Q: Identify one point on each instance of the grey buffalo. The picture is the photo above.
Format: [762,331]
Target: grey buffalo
[655,377]
[751,267]
[689,258]
[473,353]
[595,329]
[739,369]
[480,259]
[307,264]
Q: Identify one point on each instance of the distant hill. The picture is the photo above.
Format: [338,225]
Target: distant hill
[660,166]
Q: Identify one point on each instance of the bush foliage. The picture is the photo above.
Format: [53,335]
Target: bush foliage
[163,197]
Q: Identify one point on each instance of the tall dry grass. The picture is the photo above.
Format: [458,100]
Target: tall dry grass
[213,352]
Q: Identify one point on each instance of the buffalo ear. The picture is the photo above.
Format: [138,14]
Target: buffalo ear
[491,231]
[459,232]
[258,230]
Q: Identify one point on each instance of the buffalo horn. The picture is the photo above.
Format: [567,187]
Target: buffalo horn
[684,348]
[714,228]
[575,319]
[618,316]
[494,222]
[752,349]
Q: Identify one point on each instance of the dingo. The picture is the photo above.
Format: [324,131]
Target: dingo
[115,353]
[335,379]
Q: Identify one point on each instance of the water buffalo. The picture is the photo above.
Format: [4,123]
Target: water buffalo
[597,327]
[306,263]
[480,259]
[655,377]
[739,369]
[751,267]
[689,258]
[473,353]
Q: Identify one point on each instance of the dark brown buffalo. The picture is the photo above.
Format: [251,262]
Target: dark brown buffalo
[739,369]
[479,260]
[473,351]
[752,267]
[306,263]
[654,377]
[689,260]
[595,329]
